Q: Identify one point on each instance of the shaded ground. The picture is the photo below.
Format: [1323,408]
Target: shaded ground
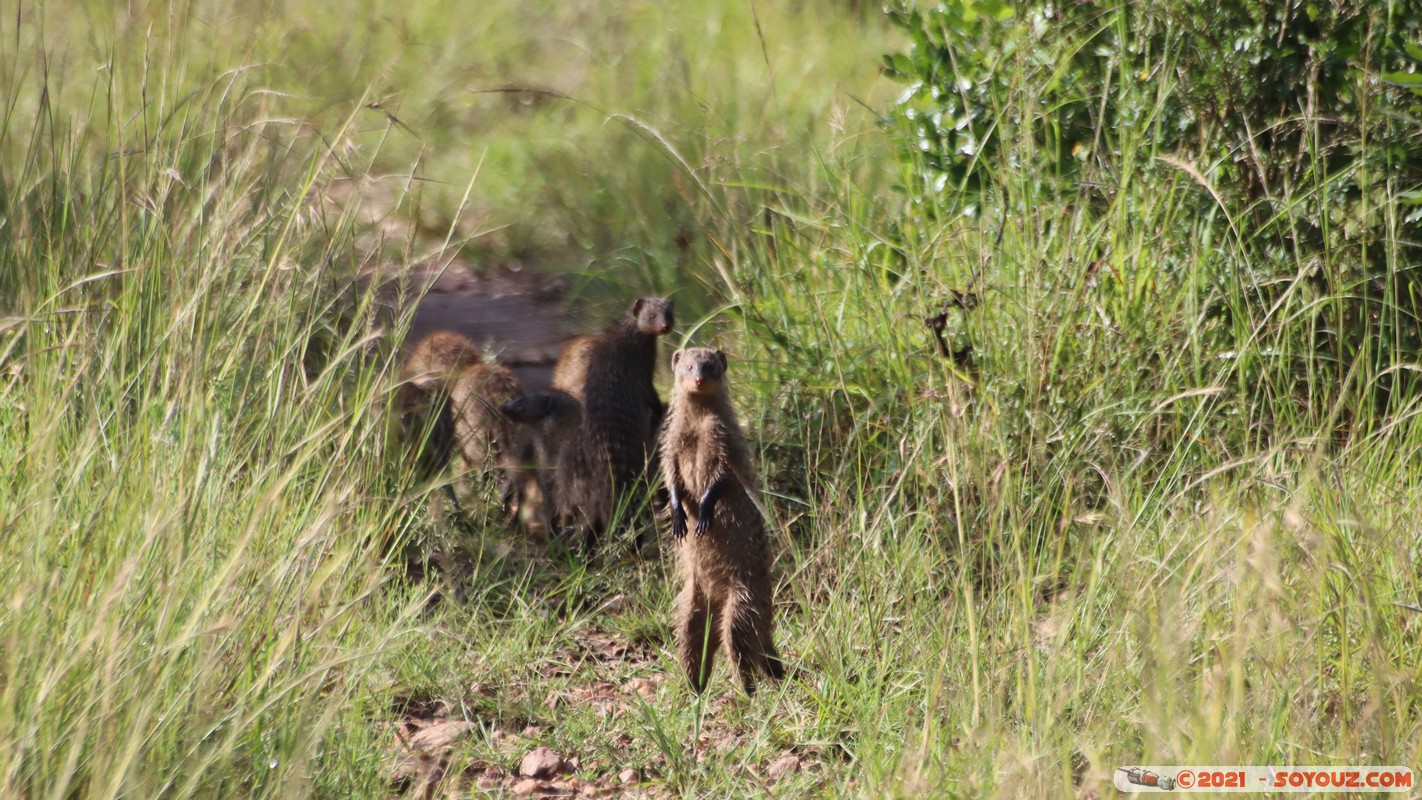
[519,317]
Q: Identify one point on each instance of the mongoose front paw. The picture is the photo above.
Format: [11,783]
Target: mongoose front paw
[703,519]
[678,524]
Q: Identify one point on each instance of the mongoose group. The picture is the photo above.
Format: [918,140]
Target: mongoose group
[582,450]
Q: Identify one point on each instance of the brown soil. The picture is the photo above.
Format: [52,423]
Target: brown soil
[429,753]
[519,318]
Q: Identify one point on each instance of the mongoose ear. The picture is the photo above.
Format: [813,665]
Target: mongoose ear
[721,357]
[637,306]
[676,358]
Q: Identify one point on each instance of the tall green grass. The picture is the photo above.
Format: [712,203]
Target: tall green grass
[1132,532]
[198,525]
[1113,540]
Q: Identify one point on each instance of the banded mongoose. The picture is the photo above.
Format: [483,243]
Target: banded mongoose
[725,599]
[458,398]
[485,437]
[422,399]
[611,374]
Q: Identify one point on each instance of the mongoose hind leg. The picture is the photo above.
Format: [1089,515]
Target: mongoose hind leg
[770,662]
[698,635]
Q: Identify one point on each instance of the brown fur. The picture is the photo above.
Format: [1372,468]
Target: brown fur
[611,374]
[485,437]
[439,358]
[550,426]
[571,372]
[451,400]
[724,561]
[421,401]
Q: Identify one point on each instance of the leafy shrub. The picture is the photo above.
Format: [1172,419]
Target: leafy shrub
[1297,122]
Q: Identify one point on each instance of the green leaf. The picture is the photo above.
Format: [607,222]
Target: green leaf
[898,66]
[1408,79]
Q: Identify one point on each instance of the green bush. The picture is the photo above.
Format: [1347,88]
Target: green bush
[1296,124]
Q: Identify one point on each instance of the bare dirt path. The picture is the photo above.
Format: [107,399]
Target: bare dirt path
[519,317]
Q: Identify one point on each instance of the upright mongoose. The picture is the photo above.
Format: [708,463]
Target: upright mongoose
[611,374]
[725,599]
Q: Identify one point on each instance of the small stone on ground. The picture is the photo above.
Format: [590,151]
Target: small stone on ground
[788,764]
[542,762]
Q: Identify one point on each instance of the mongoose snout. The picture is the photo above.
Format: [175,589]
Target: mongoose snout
[700,375]
[655,315]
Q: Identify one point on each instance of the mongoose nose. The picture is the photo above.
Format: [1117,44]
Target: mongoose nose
[700,381]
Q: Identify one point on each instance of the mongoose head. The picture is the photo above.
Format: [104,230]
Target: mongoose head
[533,408]
[442,350]
[405,407]
[653,315]
[699,370]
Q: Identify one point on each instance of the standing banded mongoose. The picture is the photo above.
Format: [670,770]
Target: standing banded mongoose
[725,599]
[611,374]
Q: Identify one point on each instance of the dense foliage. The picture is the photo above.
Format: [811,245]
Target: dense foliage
[1299,121]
